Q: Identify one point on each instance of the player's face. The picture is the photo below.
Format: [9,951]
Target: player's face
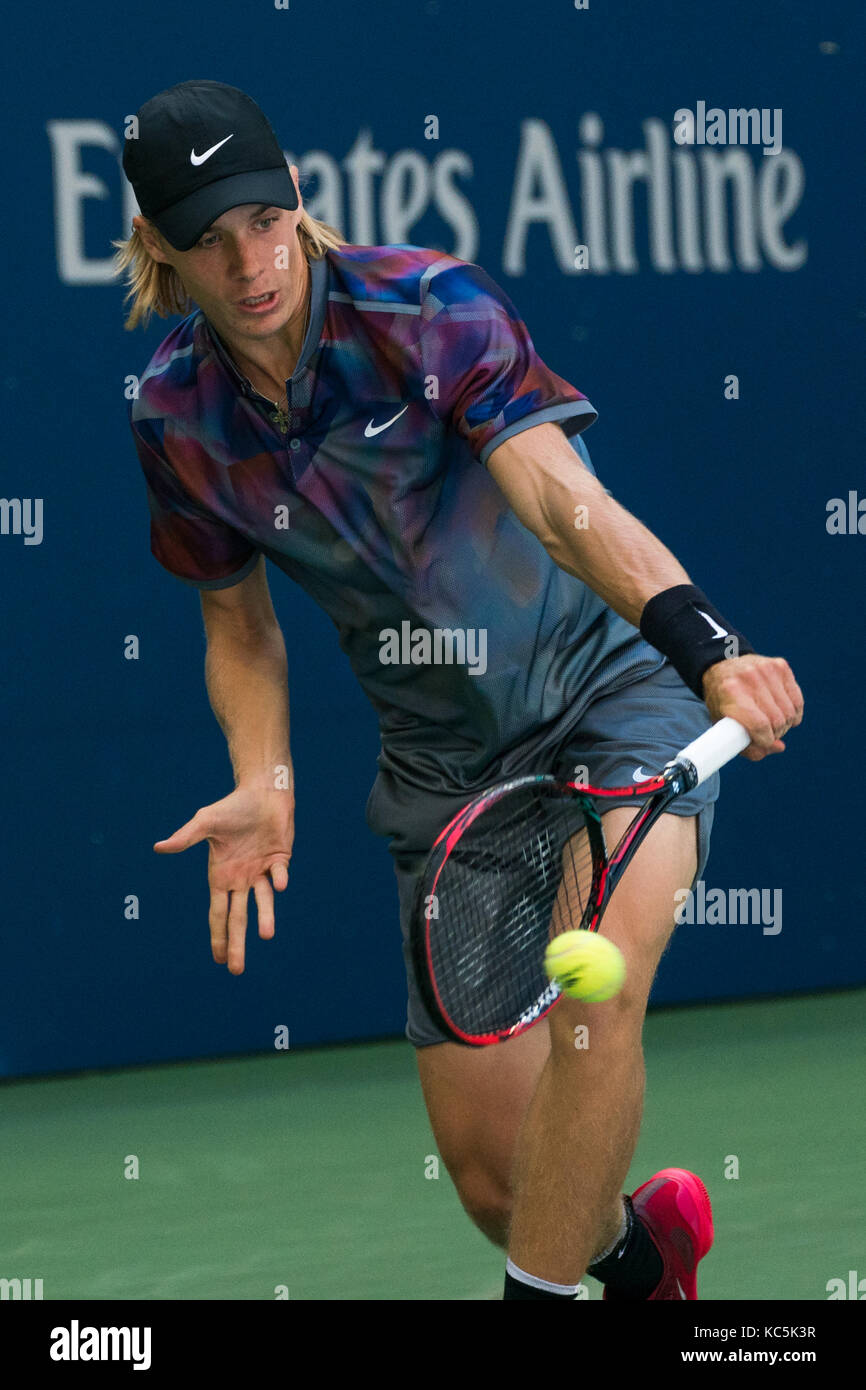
[244,272]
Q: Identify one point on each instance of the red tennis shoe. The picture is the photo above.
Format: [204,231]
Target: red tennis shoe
[675,1208]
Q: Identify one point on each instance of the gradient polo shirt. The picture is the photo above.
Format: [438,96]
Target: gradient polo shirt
[377,501]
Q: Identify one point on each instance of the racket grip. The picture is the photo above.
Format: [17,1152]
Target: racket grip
[717,746]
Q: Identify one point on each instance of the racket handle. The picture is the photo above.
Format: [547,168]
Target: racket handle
[717,746]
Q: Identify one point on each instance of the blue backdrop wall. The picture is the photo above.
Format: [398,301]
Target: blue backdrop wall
[555,128]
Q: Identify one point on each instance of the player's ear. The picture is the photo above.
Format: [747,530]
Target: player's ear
[151,238]
[293,170]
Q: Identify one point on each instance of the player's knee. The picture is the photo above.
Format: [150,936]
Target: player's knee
[486,1202]
[584,1031]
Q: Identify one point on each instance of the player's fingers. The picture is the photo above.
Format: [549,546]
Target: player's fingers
[778,690]
[190,834]
[755,753]
[264,907]
[761,721]
[795,694]
[217,921]
[279,872]
[237,925]
[767,700]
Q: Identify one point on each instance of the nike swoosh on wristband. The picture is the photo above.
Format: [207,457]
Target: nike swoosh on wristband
[377,429]
[200,158]
[717,631]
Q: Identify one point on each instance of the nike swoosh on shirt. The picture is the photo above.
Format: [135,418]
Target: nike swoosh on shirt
[377,429]
[682,1291]
[640,776]
[200,158]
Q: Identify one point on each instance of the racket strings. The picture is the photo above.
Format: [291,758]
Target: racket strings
[519,875]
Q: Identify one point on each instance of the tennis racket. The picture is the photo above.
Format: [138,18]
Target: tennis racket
[521,863]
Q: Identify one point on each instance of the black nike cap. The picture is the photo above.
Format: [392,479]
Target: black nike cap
[202,148]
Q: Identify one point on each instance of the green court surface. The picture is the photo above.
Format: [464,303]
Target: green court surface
[307,1169]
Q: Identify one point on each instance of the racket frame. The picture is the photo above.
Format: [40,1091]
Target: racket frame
[678,777]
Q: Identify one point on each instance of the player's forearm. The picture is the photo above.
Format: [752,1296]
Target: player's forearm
[616,556]
[247,685]
[580,525]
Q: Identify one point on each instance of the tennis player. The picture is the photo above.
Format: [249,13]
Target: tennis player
[376,422]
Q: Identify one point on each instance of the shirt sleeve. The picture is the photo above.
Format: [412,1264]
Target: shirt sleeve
[482,374]
[188,541]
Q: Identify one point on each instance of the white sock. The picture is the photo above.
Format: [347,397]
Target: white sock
[535,1283]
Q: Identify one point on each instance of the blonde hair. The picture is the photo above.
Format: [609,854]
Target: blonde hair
[156,288]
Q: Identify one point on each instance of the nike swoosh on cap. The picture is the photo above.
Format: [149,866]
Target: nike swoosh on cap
[377,429]
[200,158]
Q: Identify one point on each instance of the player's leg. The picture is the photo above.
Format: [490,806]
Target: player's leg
[477,1099]
[582,1126]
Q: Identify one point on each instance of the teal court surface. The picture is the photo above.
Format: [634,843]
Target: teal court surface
[311,1171]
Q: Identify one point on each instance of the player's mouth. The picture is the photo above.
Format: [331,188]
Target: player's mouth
[259,303]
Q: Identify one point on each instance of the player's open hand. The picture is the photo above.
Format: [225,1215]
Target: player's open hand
[250,835]
[759,691]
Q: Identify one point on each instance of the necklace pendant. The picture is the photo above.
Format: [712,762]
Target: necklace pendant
[281,420]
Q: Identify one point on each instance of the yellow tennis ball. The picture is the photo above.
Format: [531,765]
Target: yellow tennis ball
[585,965]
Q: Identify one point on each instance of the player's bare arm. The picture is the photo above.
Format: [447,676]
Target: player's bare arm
[250,831]
[617,556]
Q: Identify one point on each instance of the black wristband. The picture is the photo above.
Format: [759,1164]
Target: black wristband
[683,625]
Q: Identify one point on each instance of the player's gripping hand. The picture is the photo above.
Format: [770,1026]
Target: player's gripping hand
[762,693]
[250,835]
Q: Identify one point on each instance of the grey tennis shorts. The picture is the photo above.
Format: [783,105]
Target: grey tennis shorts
[639,726]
